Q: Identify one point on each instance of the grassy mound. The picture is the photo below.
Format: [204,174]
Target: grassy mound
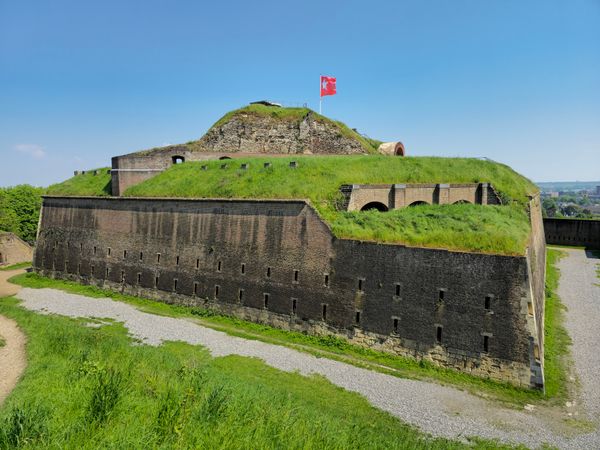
[86,184]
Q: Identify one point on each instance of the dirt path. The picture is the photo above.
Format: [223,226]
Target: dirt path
[13,358]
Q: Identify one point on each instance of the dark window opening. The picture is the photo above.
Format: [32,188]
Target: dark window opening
[175,285]
[108,251]
[219,266]
[418,203]
[78,268]
[139,278]
[122,276]
[107,272]
[95,250]
[397,290]
[92,271]
[240,294]
[294,305]
[357,317]
[158,258]
[326,280]
[438,335]
[441,295]
[324,312]
[197,263]
[216,291]
[268,272]
[156,281]
[395,325]
[243,268]
[360,284]
[124,254]
[488,302]
[195,288]
[81,247]
[141,256]
[177,261]
[266,299]
[486,343]
[376,206]
[177,159]
[296,273]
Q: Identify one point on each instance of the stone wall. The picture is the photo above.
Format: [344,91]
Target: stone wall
[576,232]
[276,262]
[13,250]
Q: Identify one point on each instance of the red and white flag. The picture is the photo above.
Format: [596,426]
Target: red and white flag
[327,86]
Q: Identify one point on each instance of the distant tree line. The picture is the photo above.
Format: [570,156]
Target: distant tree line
[20,210]
[553,207]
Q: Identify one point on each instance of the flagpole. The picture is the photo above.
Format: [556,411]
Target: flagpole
[320,96]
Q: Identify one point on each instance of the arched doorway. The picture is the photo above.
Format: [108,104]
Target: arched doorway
[177,159]
[378,206]
[462,202]
[418,203]
[224,157]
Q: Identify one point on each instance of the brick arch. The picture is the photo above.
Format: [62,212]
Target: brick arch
[419,202]
[462,202]
[375,205]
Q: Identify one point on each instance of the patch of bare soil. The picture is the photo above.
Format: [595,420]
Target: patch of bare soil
[13,358]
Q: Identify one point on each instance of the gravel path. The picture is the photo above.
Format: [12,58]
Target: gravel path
[439,410]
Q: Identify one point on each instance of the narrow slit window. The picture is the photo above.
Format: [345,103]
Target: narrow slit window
[92,271]
[122,276]
[486,343]
[294,305]
[78,268]
[124,254]
[95,250]
[397,290]
[216,291]
[326,280]
[266,299]
[175,285]
[357,317]
[195,288]
[395,325]
[240,295]
[177,260]
[296,274]
[268,272]
[141,256]
[488,302]
[218,266]
[108,251]
[360,284]
[197,263]
[107,272]
[158,258]
[139,278]
[156,281]
[441,295]
[81,248]
[243,268]
[438,335]
[324,312]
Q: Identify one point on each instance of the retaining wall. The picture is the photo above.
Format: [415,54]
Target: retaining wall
[576,232]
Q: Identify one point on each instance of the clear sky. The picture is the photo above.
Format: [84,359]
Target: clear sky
[516,81]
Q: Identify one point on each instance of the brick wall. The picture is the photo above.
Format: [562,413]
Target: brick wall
[276,262]
[576,232]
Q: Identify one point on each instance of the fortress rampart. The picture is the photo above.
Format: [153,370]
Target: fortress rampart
[578,232]
[277,262]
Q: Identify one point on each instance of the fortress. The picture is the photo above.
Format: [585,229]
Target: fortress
[258,242]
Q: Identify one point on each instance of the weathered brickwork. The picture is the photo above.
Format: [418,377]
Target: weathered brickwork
[277,262]
[13,250]
[577,232]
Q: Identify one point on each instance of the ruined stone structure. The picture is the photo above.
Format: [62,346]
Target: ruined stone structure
[384,197]
[13,249]
[277,262]
[578,232]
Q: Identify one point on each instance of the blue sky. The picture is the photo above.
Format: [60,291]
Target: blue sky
[516,81]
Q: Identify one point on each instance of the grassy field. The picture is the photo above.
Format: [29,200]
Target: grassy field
[88,388]
[490,229]
[556,352]
[22,265]
[86,184]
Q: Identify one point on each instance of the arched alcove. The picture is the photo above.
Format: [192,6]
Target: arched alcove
[177,159]
[374,205]
[418,203]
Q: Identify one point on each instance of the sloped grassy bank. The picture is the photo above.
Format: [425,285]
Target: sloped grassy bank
[491,229]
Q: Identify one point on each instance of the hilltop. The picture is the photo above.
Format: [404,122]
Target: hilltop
[492,229]
[269,129]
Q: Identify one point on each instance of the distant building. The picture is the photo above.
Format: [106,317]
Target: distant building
[13,250]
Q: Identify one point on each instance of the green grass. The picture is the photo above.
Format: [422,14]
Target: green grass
[22,265]
[87,388]
[556,339]
[332,347]
[86,184]
[2,342]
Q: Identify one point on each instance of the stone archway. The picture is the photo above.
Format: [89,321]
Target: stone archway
[375,206]
[418,203]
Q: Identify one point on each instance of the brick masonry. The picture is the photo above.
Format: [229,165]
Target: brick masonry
[577,232]
[277,262]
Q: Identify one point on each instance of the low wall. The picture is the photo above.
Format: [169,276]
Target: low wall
[576,232]
[14,250]
[276,262]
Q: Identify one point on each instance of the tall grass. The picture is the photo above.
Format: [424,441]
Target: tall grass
[91,388]
[86,184]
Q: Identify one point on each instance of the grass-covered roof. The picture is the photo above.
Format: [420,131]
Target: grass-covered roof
[492,229]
